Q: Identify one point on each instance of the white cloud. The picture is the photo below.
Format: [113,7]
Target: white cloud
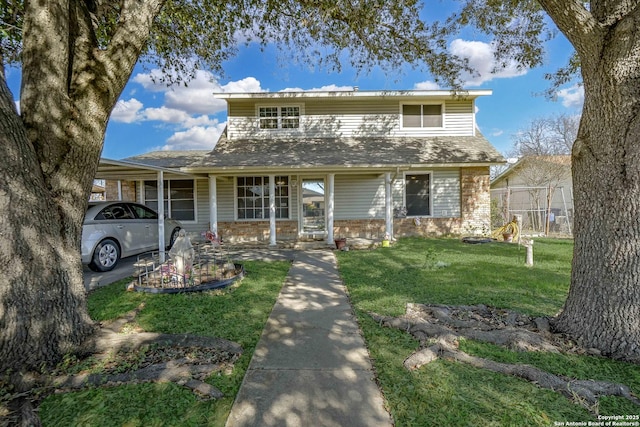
[496,132]
[572,97]
[197,96]
[167,115]
[195,138]
[187,108]
[148,83]
[481,58]
[127,111]
[426,85]
[246,85]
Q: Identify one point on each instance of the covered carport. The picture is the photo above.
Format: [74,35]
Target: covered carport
[123,170]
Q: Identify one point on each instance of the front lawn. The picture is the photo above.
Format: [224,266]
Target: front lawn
[447,271]
[236,314]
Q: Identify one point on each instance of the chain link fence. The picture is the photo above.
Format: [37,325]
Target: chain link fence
[544,210]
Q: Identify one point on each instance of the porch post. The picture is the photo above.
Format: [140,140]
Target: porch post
[161,245]
[272,210]
[329,201]
[140,196]
[213,205]
[387,205]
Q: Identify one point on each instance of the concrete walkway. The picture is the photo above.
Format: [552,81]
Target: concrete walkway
[310,367]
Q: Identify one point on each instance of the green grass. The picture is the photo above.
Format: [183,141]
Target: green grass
[236,314]
[446,271]
[443,271]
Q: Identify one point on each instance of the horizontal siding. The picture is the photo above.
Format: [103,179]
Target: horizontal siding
[359,197]
[446,193]
[355,197]
[225,199]
[323,119]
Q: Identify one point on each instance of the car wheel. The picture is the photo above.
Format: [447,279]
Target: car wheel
[105,256]
[174,236]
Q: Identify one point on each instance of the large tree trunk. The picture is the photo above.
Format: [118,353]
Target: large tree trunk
[42,312]
[603,306]
[48,159]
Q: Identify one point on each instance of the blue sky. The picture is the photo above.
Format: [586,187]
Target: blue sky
[152,116]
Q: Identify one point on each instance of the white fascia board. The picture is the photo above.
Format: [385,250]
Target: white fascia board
[442,94]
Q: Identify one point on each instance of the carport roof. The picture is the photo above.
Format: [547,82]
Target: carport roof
[130,169]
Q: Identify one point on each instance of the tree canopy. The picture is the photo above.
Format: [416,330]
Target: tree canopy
[191,35]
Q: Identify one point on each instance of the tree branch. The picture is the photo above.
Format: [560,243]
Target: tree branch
[124,49]
[576,23]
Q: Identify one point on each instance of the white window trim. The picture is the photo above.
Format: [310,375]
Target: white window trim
[168,212]
[235,199]
[280,128]
[442,105]
[431,190]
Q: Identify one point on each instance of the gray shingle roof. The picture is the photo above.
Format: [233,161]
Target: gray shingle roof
[169,159]
[354,152]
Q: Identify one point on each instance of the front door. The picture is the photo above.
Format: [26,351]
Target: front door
[313,208]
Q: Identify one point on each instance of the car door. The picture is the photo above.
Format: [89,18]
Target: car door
[118,222]
[147,221]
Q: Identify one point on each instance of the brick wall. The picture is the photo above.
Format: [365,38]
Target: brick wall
[476,200]
[256,231]
[128,190]
[365,228]
[403,227]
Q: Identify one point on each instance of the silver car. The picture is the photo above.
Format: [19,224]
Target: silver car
[112,230]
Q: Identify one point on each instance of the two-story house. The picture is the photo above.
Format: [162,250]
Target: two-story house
[323,165]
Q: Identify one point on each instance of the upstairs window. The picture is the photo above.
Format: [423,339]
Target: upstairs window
[286,117]
[422,115]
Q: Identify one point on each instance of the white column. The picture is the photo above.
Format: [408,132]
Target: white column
[213,205]
[388,216]
[140,195]
[161,244]
[329,202]
[272,210]
[119,190]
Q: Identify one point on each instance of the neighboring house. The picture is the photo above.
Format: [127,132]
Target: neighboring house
[356,157]
[539,188]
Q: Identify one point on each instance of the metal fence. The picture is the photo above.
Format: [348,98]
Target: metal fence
[543,210]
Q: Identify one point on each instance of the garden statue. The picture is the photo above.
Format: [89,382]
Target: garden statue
[182,254]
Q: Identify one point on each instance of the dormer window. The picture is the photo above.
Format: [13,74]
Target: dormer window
[422,115]
[273,117]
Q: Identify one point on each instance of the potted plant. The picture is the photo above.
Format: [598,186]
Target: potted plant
[509,232]
[341,242]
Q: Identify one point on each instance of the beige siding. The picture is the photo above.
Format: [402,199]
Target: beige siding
[446,193]
[349,118]
[359,196]
[445,197]
[225,199]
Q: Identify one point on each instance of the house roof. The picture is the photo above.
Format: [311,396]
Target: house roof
[169,159]
[561,160]
[146,165]
[367,152]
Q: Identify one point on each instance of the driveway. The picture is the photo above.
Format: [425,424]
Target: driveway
[123,269]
